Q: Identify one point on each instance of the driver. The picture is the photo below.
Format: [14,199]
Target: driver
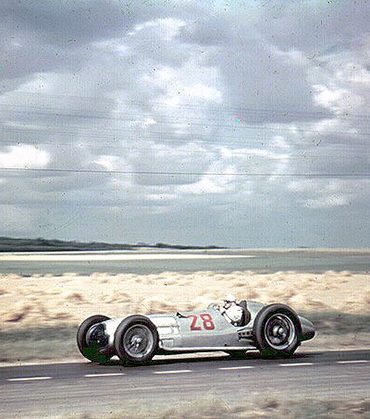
[232,311]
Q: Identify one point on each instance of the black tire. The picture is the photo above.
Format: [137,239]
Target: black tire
[90,352]
[277,331]
[136,340]
[237,354]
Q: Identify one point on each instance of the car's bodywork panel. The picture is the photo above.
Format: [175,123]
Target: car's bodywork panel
[202,330]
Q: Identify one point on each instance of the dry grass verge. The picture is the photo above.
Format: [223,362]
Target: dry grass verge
[258,407]
[66,300]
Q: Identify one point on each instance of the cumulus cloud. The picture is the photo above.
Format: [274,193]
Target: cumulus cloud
[24,156]
[210,120]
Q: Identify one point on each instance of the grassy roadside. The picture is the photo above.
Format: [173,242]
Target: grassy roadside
[335,330]
[257,406]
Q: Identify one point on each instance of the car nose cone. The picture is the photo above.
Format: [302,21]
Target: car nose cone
[308,329]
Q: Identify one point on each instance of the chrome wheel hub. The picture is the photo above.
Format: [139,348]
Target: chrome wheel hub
[279,331]
[138,341]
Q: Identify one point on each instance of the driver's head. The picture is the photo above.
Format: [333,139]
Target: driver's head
[229,300]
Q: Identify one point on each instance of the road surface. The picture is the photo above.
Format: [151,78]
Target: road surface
[73,388]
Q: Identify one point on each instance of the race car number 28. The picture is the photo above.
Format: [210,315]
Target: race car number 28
[203,321]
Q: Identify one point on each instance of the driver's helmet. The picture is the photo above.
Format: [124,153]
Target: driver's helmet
[234,313]
[229,300]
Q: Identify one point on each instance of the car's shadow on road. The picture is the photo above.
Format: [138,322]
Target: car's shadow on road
[208,358]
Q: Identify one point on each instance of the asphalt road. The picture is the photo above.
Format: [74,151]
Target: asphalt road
[72,388]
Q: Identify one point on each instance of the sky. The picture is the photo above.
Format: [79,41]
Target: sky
[232,123]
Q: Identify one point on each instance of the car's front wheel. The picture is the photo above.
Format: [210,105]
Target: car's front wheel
[136,340]
[91,339]
[277,330]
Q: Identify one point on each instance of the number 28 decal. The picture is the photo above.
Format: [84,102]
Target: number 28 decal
[205,322]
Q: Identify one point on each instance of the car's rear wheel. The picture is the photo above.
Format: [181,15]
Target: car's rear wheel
[91,339]
[277,330]
[136,340]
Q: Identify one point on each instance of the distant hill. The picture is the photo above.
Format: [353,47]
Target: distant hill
[8,244]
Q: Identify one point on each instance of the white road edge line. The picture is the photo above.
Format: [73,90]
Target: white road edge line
[355,361]
[110,374]
[29,379]
[297,364]
[171,372]
[236,368]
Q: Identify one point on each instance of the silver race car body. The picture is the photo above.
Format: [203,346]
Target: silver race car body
[275,329]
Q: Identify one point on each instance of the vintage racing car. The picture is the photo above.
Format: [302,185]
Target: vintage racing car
[275,330]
